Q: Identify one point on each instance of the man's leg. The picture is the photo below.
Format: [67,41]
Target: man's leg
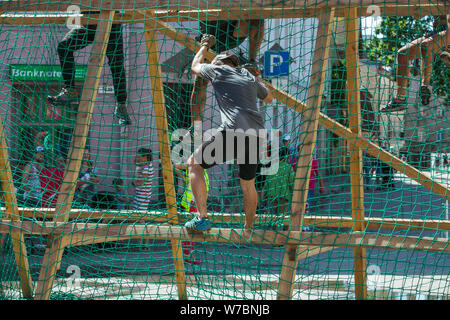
[198,99]
[74,40]
[250,201]
[247,174]
[198,185]
[429,48]
[256,37]
[115,54]
[425,69]
[254,30]
[200,192]
[445,54]
[404,55]
[204,157]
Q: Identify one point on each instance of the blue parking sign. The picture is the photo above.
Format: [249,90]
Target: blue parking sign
[276,63]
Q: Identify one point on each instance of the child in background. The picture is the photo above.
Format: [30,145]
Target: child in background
[143,180]
[122,201]
[87,181]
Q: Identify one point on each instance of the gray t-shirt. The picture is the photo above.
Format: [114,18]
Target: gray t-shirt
[236,92]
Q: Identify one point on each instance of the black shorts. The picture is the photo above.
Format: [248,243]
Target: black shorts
[228,145]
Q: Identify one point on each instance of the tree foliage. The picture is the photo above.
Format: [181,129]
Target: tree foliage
[392,34]
[395,32]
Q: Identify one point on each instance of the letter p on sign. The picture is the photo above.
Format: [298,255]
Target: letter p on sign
[276,63]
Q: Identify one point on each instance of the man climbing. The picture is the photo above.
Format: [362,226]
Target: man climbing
[229,34]
[79,38]
[236,91]
[423,48]
[445,52]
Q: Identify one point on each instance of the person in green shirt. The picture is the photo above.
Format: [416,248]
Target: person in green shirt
[278,188]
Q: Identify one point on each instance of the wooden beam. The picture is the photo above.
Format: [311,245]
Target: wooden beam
[54,251]
[42,18]
[262,219]
[380,223]
[376,151]
[304,252]
[357,140]
[356,160]
[12,211]
[308,136]
[237,236]
[57,6]
[231,13]
[164,150]
[86,233]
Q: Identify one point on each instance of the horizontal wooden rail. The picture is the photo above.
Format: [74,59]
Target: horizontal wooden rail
[260,219]
[87,233]
[256,5]
[41,18]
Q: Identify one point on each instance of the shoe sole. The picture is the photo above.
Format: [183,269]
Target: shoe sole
[124,123]
[65,103]
[393,110]
[197,229]
[123,119]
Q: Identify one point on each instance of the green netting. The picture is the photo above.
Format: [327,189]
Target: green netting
[119,189]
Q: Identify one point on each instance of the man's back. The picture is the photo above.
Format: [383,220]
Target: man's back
[236,91]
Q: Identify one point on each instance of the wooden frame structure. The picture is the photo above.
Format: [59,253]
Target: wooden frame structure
[62,232]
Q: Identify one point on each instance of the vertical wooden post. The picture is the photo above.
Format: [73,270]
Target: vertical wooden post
[55,247]
[10,200]
[164,149]
[310,121]
[356,160]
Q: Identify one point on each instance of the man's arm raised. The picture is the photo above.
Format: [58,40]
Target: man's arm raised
[269,97]
[198,60]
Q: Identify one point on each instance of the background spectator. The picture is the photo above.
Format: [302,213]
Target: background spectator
[278,188]
[445,160]
[143,182]
[143,179]
[369,164]
[314,176]
[122,201]
[31,180]
[87,181]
